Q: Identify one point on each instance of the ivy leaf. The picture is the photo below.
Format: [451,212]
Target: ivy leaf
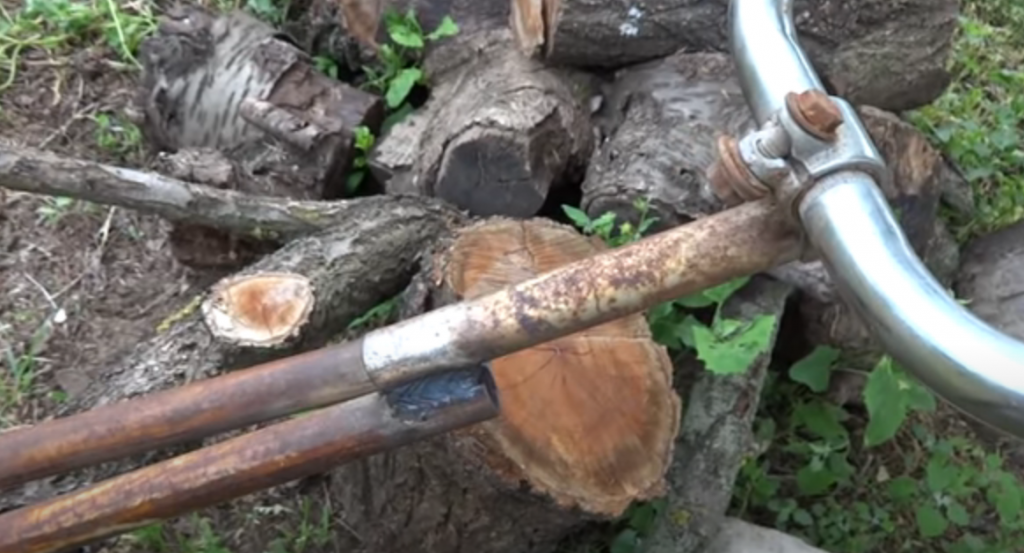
[930,522]
[446,28]
[733,351]
[814,370]
[401,86]
[886,404]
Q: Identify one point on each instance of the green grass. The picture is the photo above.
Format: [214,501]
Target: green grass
[979,121]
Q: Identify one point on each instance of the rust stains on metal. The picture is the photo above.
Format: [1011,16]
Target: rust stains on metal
[731,179]
[191,412]
[262,459]
[815,112]
[738,242]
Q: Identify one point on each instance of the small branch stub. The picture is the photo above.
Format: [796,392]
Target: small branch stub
[261,310]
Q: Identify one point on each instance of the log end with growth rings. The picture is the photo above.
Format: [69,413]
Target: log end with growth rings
[261,310]
[588,420]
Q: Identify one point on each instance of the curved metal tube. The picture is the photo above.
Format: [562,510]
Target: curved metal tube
[974,367]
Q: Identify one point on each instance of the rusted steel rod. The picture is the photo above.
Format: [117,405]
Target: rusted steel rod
[178,415]
[744,240]
[268,457]
[741,241]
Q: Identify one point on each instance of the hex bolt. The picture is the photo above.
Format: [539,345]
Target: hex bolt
[815,112]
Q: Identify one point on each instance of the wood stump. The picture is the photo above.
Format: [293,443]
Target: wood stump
[587,426]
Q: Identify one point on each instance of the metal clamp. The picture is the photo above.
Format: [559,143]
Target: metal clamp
[814,136]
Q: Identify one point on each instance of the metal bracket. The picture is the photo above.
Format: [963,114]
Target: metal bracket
[814,136]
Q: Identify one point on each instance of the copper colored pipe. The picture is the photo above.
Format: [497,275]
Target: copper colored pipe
[178,415]
[269,457]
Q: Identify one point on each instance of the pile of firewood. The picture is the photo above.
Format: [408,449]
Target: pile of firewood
[532,104]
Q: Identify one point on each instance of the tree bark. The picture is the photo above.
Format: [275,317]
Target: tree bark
[367,257]
[660,122]
[587,422]
[233,84]
[887,54]
[499,131]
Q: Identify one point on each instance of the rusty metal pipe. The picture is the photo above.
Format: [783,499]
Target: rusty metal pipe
[178,415]
[741,241]
[269,457]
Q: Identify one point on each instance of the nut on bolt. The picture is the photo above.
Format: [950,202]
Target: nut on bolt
[730,178]
[815,112]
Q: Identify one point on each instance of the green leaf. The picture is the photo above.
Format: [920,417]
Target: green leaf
[821,419]
[939,474]
[886,405]
[920,398]
[733,351]
[578,216]
[1008,503]
[364,138]
[930,522]
[625,542]
[803,518]
[814,482]
[400,87]
[903,488]
[405,34]
[814,370]
[957,514]
[446,28]
[713,295]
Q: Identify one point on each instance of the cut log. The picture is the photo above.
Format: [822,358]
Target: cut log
[234,84]
[660,122]
[328,279]
[888,54]
[499,132]
[587,425]
[991,279]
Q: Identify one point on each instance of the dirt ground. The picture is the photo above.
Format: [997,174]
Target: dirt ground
[101,278]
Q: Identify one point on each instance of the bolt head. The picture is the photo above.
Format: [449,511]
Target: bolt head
[819,111]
